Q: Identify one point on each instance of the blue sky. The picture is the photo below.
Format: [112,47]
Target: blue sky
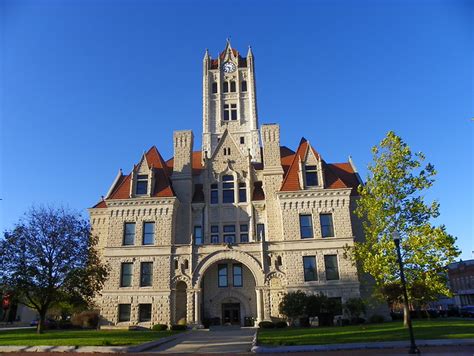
[87,86]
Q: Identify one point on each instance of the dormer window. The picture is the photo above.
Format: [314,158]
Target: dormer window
[311,176]
[230,112]
[142,184]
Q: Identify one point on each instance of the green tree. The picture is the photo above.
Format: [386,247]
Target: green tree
[293,305]
[50,257]
[355,307]
[393,200]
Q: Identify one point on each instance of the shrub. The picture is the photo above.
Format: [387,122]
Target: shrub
[65,324]
[159,327]
[86,319]
[178,327]
[293,305]
[281,324]
[376,318]
[266,325]
[355,307]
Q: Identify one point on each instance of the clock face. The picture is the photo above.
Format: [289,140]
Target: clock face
[228,67]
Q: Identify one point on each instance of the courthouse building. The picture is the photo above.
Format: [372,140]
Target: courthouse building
[222,233]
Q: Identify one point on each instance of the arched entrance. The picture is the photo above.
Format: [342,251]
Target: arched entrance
[228,286]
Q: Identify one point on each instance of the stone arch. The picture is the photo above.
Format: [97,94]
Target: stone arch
[249,261]
[275,282]
[230,296]
[181,278]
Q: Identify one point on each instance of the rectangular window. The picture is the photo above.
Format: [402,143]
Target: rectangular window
[142,184]
[214,194]
[229,234]
[148,233]
[327,228]
[198,235]
[244,233]
[126,274]
[226,112]
[146,274]
[227,189]
[129,234]
[311,176]
[222,275]
[124,312]
[232,87]
[244,85]
[242,193]
[144,312]
[237,275]
[242,140]
[260,232]
[306,226]
[233,112]
[214,234]
[310,269]
[214,88]
[332,270]
[225,87]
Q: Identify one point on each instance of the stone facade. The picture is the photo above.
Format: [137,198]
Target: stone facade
[227,229]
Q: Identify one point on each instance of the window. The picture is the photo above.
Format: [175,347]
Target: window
[229,234]
[237,275]
[242,193]
[244,233]
[142,184]
[124,312]
[225,87]
[148,233]
[214,194]
[230,112]
[129,234]
[260,232]
[332,270]
[227,189]
[244,85]
[222,275]
[198,235]
[279,261]
[242,140]
[214,88]
[144,312]
[146,274]
[310,270]
[126,274]
[214,234]
[176,264]
[306,226]
[311,176]
[232,87]
[327,228]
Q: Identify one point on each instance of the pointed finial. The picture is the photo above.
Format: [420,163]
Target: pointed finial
[249,52]
[206,54]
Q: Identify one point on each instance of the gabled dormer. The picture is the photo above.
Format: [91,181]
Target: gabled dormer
[310,173]
[142,179]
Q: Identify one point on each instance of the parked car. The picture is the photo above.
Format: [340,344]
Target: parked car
[467,311]
[49,323]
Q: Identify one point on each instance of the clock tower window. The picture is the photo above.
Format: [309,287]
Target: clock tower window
[214,88]
[225,88]
[232,87]
[244,85]
[230,112]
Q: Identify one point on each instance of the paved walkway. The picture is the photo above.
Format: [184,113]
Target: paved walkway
[221,340]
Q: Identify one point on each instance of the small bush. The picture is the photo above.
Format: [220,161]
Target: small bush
[178,327]
[376,318]
[266,325]
[65,325]
[281,324]
[86,319]
[159,327]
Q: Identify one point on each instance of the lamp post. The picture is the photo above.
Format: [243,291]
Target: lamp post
[413,348]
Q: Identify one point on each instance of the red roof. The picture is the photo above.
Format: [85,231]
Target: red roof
[196,163]
[101,204]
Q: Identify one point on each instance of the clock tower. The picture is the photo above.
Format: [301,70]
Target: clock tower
[229,102]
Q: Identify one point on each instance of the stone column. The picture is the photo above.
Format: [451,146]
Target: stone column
[266,304]
[197,307]
[259,305]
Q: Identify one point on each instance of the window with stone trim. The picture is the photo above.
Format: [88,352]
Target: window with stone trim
[244,233]
[225,87]
[146,274]
[327,226]
[229,234]
[244,85]
[214,194]
[222,275]
[237,278]
[198,240]
[306,226]
[124,312]
[214,87]
[230,112]
[214,234]
[228,189]
[126,273]
[142,184]
[311,176]
[144,312]
[332,268]
[310,269]
[148,233]
[129,234]
[233,87]
[260,232]
[242,193]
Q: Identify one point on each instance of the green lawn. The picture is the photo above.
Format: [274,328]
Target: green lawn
[28,337]
[391,331]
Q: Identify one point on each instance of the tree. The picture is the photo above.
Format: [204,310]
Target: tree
[293,305]
[49,257]
[392,200]
[355,307]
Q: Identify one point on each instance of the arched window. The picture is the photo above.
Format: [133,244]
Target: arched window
[228,189]
[233,87]
[214,88]
[225,87]
[244,85]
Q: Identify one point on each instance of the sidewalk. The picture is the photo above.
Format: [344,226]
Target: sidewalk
[361,346]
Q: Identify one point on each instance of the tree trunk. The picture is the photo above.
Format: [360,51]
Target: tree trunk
[406,316]
[42,318]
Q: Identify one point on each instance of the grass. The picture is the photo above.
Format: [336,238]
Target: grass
[28,337]
[391,331]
